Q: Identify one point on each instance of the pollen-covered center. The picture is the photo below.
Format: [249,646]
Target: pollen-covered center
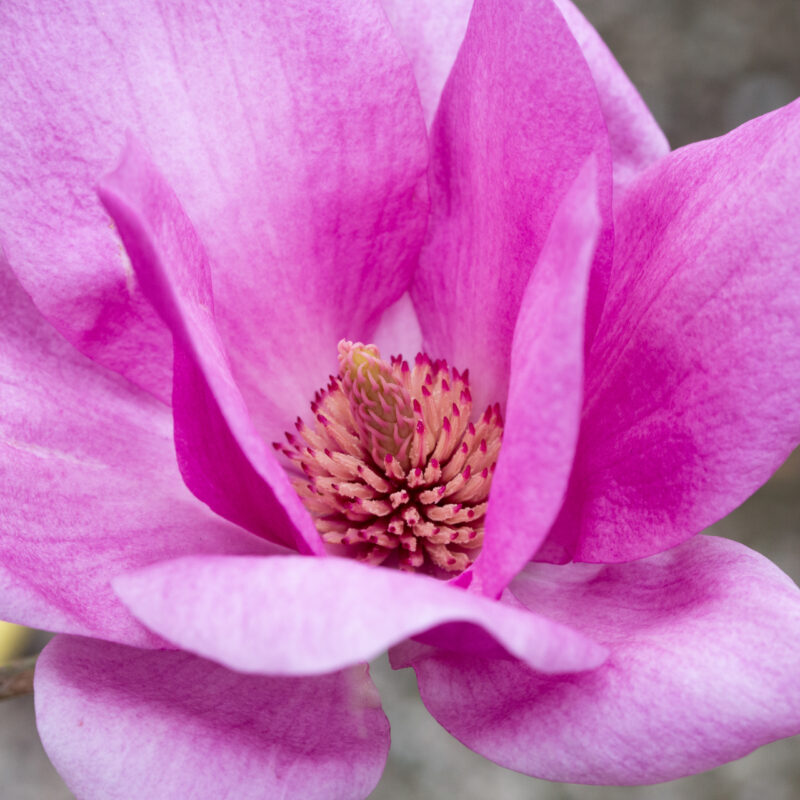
[392,468]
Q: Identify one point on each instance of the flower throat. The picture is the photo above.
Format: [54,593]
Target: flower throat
[393,470]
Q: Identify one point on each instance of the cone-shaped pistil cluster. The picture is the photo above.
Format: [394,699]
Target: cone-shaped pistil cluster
[392,468]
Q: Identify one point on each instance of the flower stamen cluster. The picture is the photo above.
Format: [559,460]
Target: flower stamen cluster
[392,468]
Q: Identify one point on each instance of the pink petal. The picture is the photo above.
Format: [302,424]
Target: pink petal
[223,459]
[431,34]
[518,118]
[634,136]
[693,380]
[120,723]
[88,484]
[705,653]
[297,615]
[294,137]
[544,399]
[398,331]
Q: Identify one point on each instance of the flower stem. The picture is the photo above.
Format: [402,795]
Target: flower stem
[16,678]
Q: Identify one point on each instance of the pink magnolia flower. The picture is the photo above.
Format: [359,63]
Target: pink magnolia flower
[633,313]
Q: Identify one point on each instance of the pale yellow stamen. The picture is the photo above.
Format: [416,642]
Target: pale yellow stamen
[392,468]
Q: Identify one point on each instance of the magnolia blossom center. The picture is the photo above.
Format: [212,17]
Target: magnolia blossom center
[392,468]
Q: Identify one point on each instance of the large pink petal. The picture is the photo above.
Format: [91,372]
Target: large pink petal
[635,137]
[296,615]
[545,393]
[705,654]
[89,486]
[518,118]
[693,380]
[120,723]
[292,132]
[431,34]
[223,459]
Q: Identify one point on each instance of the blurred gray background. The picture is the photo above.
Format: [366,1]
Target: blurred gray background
[703,67]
